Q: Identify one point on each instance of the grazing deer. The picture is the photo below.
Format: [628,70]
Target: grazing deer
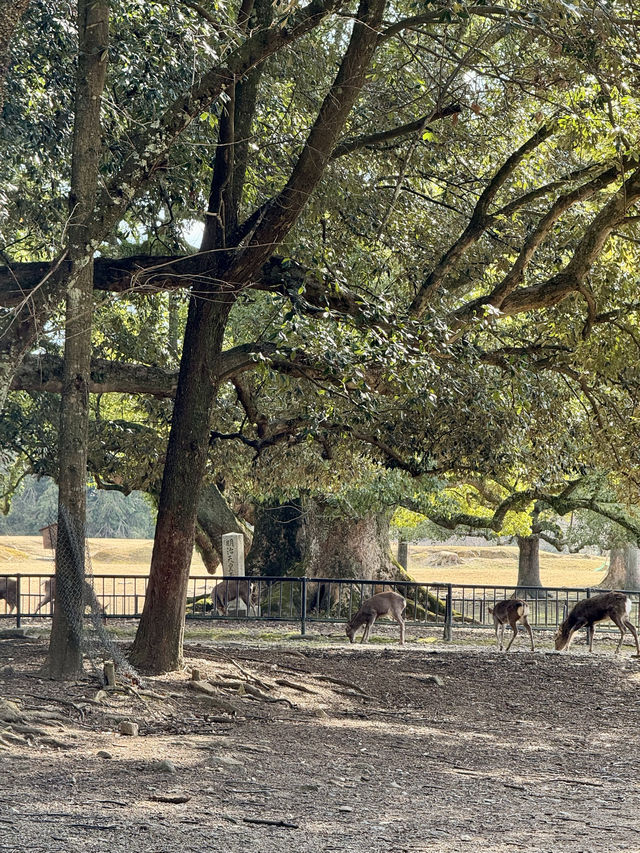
[231,590]
[608,605]
[9,591]
[511,612]
[381,604]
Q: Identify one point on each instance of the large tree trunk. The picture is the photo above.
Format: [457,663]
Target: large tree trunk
[278,540]
[65,648]
[340,546]
[310,539]
[158,643]
[623,569]
[528,563]
[632,577]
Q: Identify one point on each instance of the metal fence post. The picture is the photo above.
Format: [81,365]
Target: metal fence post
[303,608]
[448,614]
[18,610]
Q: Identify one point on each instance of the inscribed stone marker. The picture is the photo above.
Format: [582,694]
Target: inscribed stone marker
[233,554]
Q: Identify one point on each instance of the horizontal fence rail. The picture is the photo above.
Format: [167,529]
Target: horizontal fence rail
[306,600]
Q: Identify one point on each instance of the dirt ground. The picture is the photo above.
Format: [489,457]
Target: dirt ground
[422,748]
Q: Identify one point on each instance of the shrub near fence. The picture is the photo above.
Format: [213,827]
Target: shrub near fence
[318,600]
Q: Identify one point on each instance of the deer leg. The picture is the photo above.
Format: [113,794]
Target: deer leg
[525,622]
[368,627]
[632,628]
[622,627]
[501,643]
[591,629]
[514,628]
[399,619]
[571,633]
[42,603]
[579,624]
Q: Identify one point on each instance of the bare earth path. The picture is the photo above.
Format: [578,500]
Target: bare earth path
[526,751]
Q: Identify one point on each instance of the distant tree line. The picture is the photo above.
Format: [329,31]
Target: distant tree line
[109,514]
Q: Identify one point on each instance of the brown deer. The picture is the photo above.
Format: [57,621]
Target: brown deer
[608,605]
[381,604]
[511,612]
[9,591]
[230,590]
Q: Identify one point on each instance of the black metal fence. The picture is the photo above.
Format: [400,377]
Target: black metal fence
[306,600]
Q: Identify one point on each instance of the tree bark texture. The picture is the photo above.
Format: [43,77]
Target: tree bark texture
[215,518]
[65,653]
[632,576]
[340,546]
[528,563]
[623,569]
[158,643]
[309,538]
[278,546]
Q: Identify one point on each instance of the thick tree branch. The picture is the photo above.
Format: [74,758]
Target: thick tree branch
[44,372]
[514,502]
[283,212]
[535,238]
[477,224]
[571,279]
[19,329]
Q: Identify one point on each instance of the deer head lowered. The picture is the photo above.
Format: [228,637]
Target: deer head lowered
[608,605]
[381,604]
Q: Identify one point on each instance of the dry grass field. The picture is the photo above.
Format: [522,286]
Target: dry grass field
[498,566]
[491,565]
[26,555]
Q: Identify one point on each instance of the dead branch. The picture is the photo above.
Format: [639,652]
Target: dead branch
[250,689]
[284,682]
[341,682]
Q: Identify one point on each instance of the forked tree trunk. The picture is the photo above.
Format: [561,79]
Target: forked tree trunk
[159,640]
